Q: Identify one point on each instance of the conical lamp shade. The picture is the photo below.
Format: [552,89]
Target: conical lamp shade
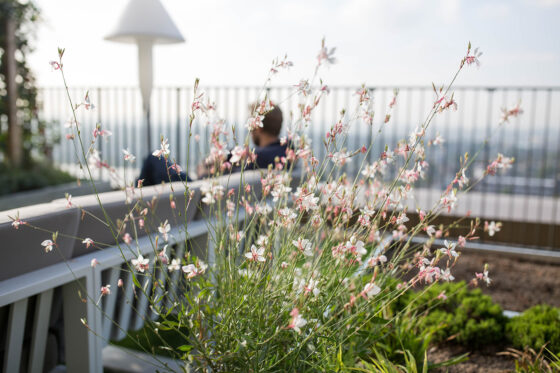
[145,20]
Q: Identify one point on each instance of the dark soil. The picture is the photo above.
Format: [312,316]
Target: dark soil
[479,361]
[516,284]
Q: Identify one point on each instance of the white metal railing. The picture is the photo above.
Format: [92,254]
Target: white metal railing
[110,320]
[531,138]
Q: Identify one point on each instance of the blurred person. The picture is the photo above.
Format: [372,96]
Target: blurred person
[268,147]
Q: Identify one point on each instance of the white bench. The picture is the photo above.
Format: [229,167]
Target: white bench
[35,286]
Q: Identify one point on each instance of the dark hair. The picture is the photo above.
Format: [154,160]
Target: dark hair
[272,121]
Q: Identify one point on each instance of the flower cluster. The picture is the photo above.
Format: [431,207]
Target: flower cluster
[302,262]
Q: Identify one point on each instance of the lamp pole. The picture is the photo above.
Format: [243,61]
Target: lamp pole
[145,78]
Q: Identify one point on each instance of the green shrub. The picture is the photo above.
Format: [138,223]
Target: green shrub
[467,316]
[149,338]
[537,326]
[40,175]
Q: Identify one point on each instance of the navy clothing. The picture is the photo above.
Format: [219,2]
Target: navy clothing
[265,156]
[154,172]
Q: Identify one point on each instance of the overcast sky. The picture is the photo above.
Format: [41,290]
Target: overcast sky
[378,42]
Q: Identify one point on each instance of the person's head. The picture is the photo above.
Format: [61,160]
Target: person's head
[270,131]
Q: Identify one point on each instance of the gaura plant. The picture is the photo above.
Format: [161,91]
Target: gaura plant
[295,274]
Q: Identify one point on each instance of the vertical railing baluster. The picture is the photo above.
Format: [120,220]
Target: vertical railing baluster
[529,165]
[500,148]
[553,239]
[515,170]
[99,120]
[172,286]
[486,155]
[473,143]
[40,331]
[460,125]
[109,302]
[544,157]
[236,121]
[143,299]
[83,347]
[14,338]
[125,305]
[179,141]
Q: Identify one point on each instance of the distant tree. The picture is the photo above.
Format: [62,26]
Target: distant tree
[18,93]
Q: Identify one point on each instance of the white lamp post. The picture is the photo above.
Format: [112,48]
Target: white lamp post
[145,23]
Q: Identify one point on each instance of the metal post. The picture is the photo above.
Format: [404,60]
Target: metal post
[490,91]
[178,129]
[99,142]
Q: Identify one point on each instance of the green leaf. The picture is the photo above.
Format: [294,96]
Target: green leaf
[185,348]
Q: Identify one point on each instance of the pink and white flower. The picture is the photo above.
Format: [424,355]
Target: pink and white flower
[101,133]
[304,246]
[212,192]
[192,270]
[430,230]
[473,58]
[373,261]
[17,222]
[449,200]
[164,229]
[87,104]
[254,122]
[128,156]
[68,200]
[449,249]
[55,65]
[326,55]
[484,276]
[340,158]
[311,287]
[127,238]
[297,321]
[370,290]
[48,245]
[88,242]
[174,266]
[162,255]
[256,254]
[513,112]
[106,290]
[237,154]
[355,247]
[492,228]
[141,264]
[163,150]
[446,275]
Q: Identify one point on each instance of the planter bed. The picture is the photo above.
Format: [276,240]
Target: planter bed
[516,284]
[479,361]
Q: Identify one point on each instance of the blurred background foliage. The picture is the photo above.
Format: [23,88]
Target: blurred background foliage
[33,170]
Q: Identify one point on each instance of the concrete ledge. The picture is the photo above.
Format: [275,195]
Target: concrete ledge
[43,195]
